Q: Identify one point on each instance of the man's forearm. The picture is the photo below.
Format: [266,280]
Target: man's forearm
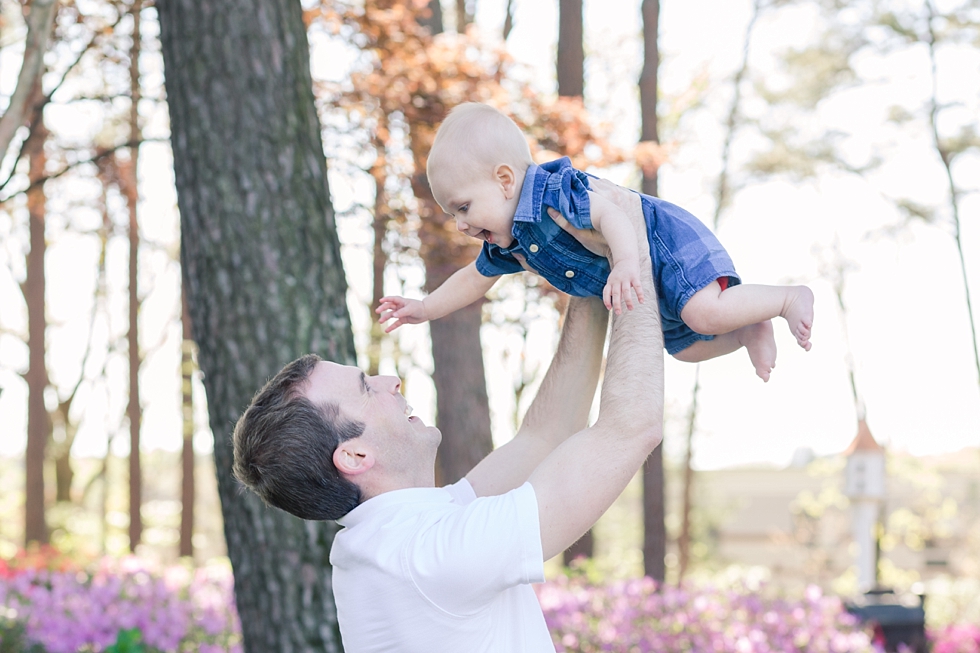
[562,404]
[578,482]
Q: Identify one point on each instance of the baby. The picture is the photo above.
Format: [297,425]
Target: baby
[573,229]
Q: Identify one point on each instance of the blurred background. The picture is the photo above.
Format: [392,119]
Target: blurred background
[828,143]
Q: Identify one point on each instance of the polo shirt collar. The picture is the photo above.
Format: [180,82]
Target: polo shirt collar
[532,194]
[387,500]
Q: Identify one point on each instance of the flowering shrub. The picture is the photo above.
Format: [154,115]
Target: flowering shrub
[44,556]
[174,611]
[963,638]
[631,617]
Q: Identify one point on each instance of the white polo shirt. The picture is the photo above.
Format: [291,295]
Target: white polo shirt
[438,570]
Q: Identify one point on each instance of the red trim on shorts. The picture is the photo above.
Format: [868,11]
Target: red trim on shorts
[723,282]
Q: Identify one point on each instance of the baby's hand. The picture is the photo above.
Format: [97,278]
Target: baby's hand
[404,311]
[623,280]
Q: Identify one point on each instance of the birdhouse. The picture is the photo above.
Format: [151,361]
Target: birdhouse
[864,476]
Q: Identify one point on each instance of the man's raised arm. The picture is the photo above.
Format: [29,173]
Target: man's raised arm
[578,482]
[561,406]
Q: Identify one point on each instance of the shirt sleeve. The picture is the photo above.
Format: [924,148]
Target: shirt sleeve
[493,261]
[568,192]
[463,561]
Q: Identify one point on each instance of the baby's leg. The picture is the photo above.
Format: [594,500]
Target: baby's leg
[712,311]
[756,338]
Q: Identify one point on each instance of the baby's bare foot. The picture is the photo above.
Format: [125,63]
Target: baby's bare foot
[761,345]
[798,311]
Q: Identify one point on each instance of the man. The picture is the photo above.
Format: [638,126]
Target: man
[419,568]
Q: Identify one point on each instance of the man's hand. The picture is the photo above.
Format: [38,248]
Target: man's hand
[590,239]
[623,280]
[404,311]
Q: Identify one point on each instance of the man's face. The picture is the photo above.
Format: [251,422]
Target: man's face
[481,208]
[397,437]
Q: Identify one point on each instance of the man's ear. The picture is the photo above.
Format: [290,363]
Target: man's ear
[351,458]
[507,178]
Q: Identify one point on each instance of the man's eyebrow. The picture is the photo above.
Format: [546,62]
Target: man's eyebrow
[364,385]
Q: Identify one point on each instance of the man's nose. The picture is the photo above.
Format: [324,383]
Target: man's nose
[392,384]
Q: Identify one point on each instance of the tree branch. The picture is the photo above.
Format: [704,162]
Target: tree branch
[88,46]
[39,24]
[100,154]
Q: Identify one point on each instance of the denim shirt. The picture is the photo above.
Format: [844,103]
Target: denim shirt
[547,248]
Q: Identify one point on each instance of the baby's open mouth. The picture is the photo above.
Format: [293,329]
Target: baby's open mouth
[487,236]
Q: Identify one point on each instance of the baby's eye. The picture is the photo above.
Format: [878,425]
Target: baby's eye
[464,208]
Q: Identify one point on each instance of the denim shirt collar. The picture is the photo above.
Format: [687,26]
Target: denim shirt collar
[532,194]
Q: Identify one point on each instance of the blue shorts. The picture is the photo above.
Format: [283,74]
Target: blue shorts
[686,257]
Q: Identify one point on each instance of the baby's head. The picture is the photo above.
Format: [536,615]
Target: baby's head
[476,169]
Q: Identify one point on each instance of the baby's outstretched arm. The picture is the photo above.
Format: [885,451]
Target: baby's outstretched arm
[462,289]
[624,278]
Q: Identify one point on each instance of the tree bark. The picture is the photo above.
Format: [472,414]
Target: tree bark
[187,348]
[433,17]
[571,49]
[687,502]
[265,278]
[570,71]
[462,405]
[38,420]
[654,531]
[464,15]
[650,9]
[40,22]
[134,410]
[379,257]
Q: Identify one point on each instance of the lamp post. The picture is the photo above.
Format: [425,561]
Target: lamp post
[864,485]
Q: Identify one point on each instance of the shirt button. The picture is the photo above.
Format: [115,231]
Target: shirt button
[569,273]
[534,248]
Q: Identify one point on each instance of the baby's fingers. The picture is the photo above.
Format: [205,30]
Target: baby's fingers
[607,296]
[617,299]
[394,326]
[628,296]
[638,287]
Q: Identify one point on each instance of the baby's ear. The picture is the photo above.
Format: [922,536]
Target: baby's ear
[505,176]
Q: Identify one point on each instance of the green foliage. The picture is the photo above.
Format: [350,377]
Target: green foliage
[12,637]
[966,139]
[128,641]
[913,210]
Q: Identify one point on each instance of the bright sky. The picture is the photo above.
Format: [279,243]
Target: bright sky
[908,325]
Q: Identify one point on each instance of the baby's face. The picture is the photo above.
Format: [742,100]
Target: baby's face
[480,206]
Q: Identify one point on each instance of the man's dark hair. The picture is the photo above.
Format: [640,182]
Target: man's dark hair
[284,445]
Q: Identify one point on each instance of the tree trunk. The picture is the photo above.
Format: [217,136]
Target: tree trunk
[570,70]
[684,539]
[134,410]
[654,532]
[650,10]
[461,401]
[462,405]
[187,348]
[508,20]
[432,18]
[265,278]
[379,257]
[571,49]
[38,420]
[40,21]
[464,15]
